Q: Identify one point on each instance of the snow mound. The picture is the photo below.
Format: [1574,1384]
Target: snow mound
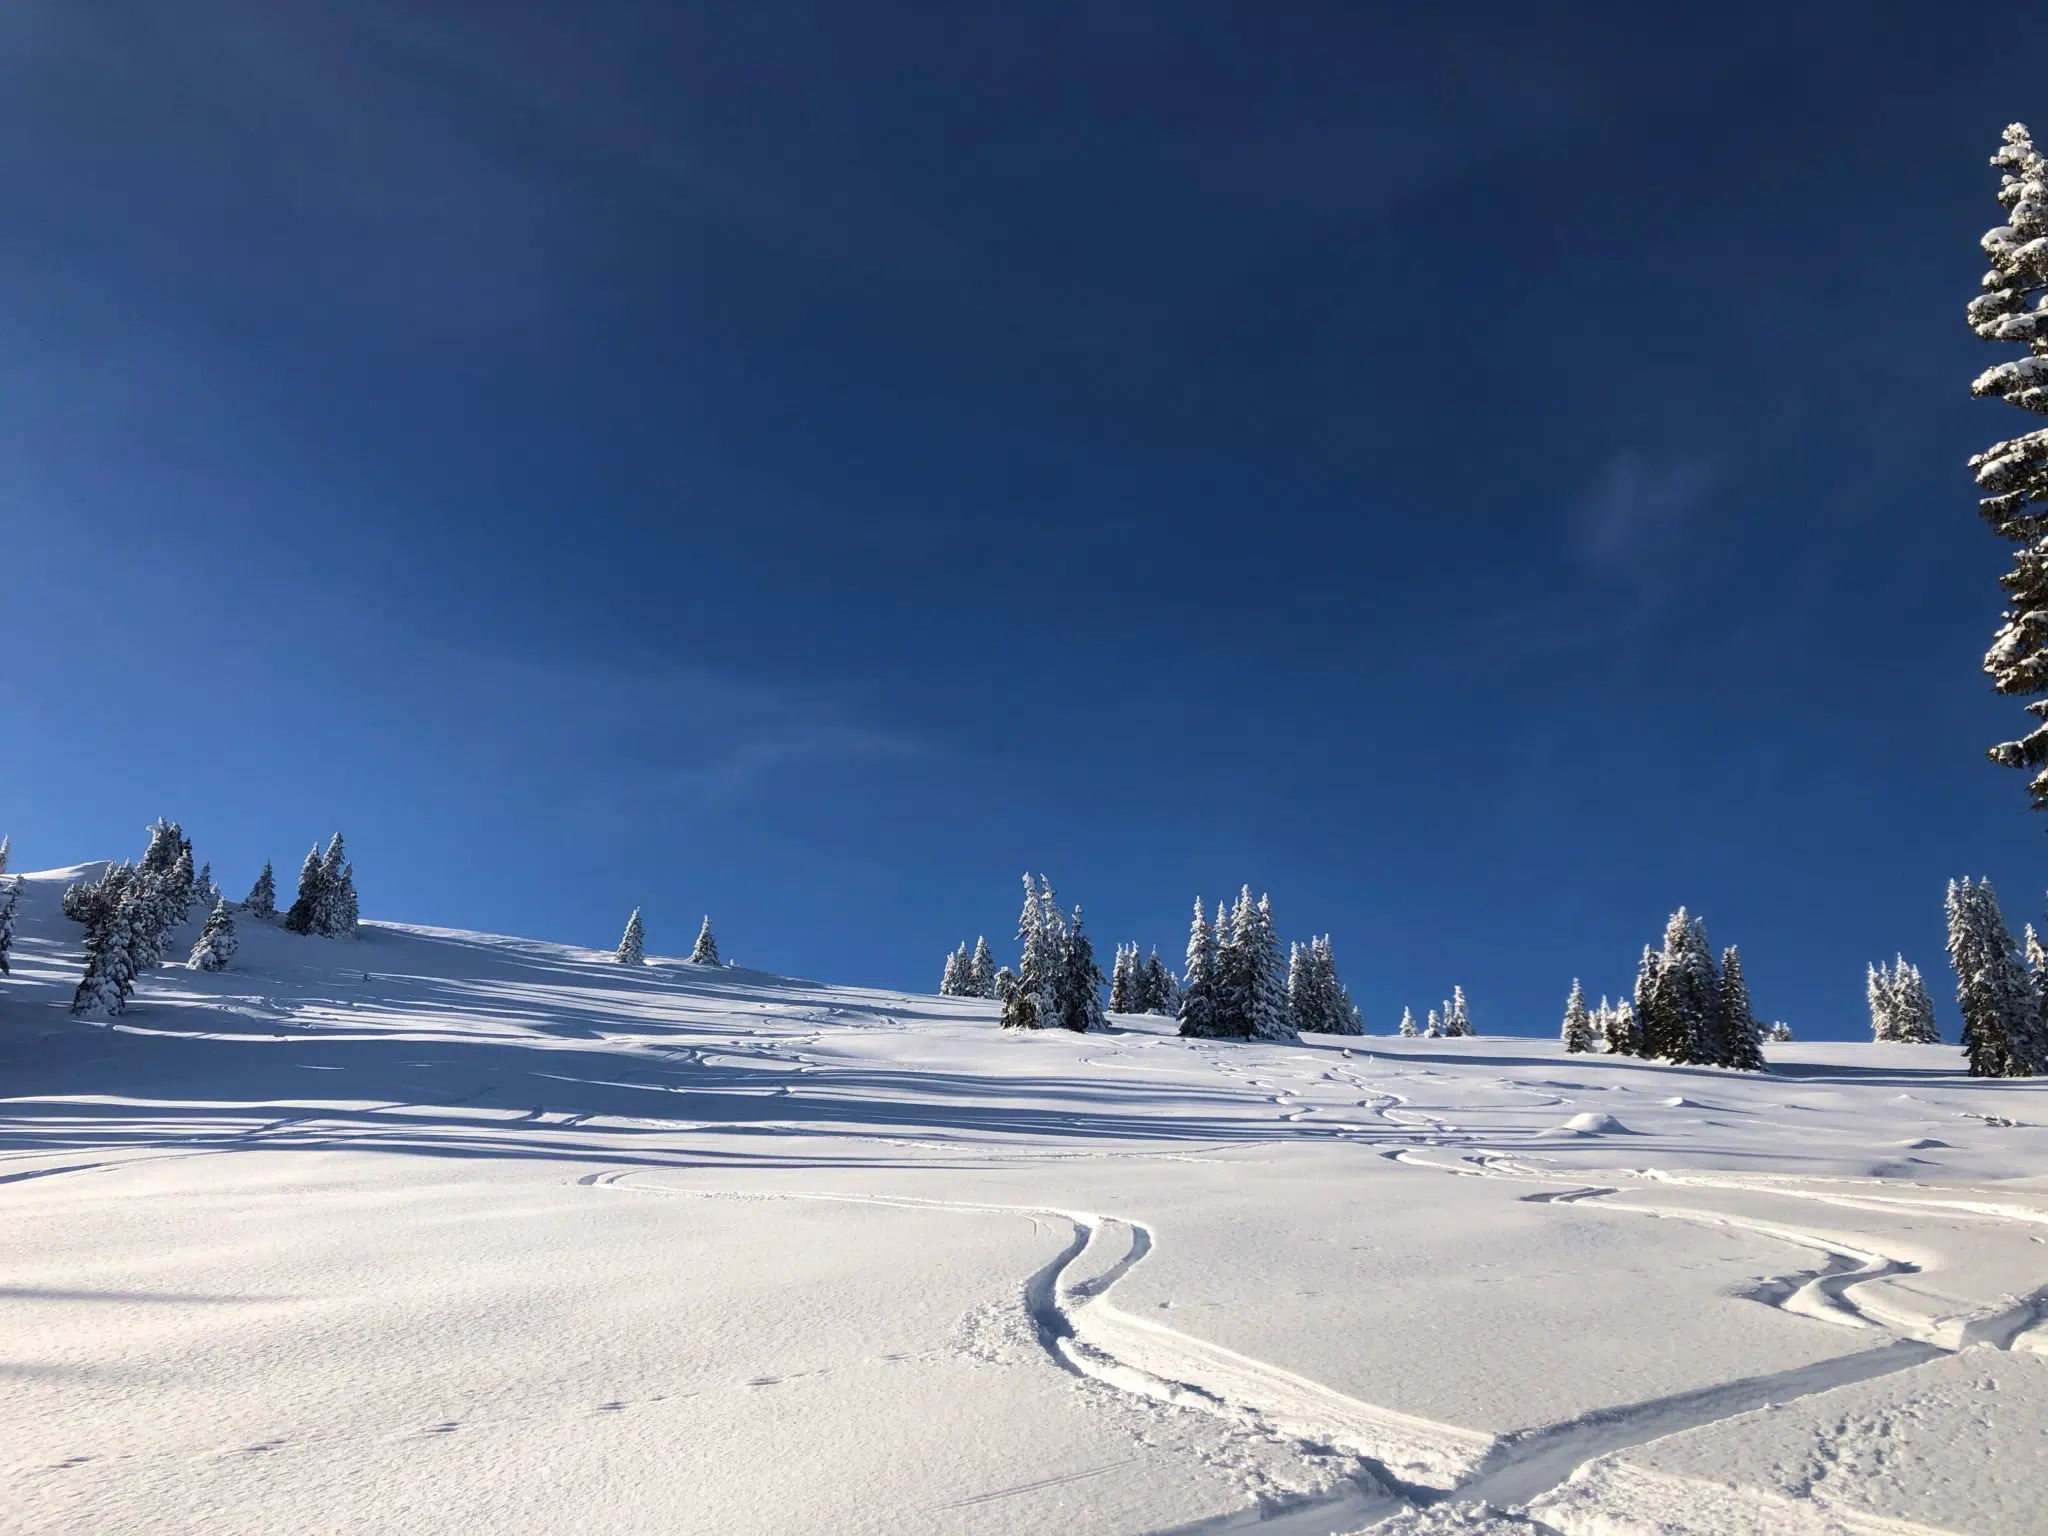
[1594,1123]
[1923,1144]
[1679,1101]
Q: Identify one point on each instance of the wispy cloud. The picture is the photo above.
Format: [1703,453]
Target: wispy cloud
[1636,511]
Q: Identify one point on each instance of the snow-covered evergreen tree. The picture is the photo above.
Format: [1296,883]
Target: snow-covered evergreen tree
[1915,1006]
[1741,1035]
[1578,1022]
[1266,975]
[6,853]
[344,912]
[1123,993]
[262,900]
[306,908]
[1317,1000]
[1780,1033]
[1434,1029]
[10,897]
[327,906]
[706,950]
[632,948]
[1653,1033]
[1233,980]
[217,941]
[1006,987]
[2013,474]
[106,906]
[1457,1017]
[1302,1002]
[1408,1029]
[1619,1031]
[2000,1018]
[1081,980]
[1162,990]
[1198,987]
[953,978]
[1034,1003]
[981,970]
[1901,1009]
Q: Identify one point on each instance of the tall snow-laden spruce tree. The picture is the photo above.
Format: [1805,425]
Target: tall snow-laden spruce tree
[706,950]
[1302,1002]
[952,979]
[632,948]
[1618,1029]
[1233,986]
[1198,987]
[1122,993]
[327,908]
[2000,1015]
[2013,474]
[1915,1007]
[306,907]
[1341,1016]
[1652,1028]
[1577,1032]
[1161,987]
[217,942]
[1741,1035]
[262,900]
[106,906]
[1081,989]
[1034,1001]
[347,918]
[981,970]
[10,898]
[6,853]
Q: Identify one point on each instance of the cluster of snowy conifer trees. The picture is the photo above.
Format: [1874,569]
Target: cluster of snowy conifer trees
[1236,987]
[1451,1021]
[1143,986]
[131,912]
[1057,984]
[1900,1008]
[970,975]
[1689,1008]
[1316,998]
[326,901]
[2004,998]
[632,948]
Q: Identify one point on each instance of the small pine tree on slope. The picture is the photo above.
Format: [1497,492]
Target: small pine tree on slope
[106,907]
[1992,990]
[1741,1035]
[1577,1032]
[981,975]
[706,950]
[2013,308]
[262,900]
[306,907]
[217,941]
[1198,988]
[1408,1029]
[1457,1017]
[1618,1031]
[632,948]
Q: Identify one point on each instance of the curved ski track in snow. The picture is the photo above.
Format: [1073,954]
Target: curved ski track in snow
[1067,1302]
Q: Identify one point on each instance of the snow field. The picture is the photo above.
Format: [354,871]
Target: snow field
[367,1232]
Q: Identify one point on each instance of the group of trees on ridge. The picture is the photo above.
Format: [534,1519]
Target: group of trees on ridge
[131,911]
[1235,985]
[632,948]
[1689,1008]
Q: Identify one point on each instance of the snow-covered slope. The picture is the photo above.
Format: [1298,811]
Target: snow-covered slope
[434,1230]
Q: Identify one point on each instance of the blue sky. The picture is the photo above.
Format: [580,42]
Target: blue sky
[1486,477]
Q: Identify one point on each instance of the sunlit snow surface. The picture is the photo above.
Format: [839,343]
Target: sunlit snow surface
[439,1231]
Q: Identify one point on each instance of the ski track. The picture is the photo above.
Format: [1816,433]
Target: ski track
[1085,1334]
